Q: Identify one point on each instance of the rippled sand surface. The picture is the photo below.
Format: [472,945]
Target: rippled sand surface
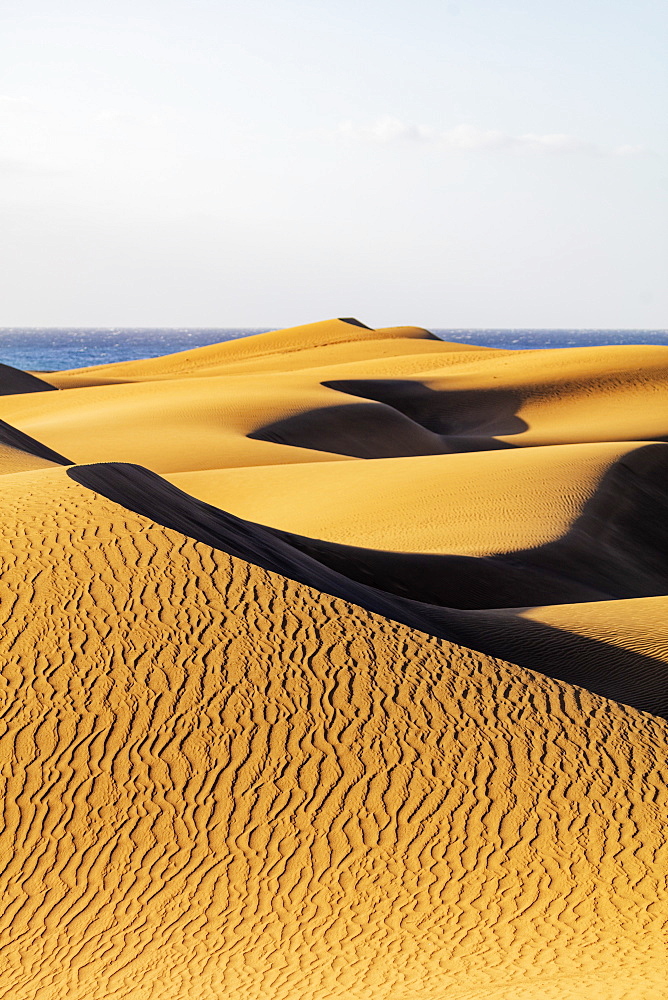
[333,665]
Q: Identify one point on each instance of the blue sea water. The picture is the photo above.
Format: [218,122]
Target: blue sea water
[57,349]
[54,349]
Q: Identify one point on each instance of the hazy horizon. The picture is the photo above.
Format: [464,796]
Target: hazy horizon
[462,165]
[265,328]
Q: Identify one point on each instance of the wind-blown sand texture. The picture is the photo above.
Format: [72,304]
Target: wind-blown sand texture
[279,722]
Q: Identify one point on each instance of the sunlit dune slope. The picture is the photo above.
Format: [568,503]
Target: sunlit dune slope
[577,523]
[158,415]
[336,389]
[616,547]
[168,426]
[15,460]
[220,782]
[262,427]
[286,754]
[341,341]
[478,503]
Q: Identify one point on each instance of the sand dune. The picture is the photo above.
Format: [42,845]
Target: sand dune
[281,722]
[609,394]
[616,547]
[467,504]
[223,783]
[621,645]
[168,426]
[382,394]
[281,350]
[538,397]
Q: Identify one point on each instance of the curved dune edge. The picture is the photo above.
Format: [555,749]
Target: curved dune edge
[616,546]
[222,783]
[14,439]
[275,347]
[619,672]
[480,504]
[529,398]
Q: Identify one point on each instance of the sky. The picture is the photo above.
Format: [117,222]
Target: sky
[264,163]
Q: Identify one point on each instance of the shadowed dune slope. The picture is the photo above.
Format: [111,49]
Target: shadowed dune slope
[367,430]
[220,782]
[389,583]
[616,548]
[360,430]
[193,410]
[502,400]
[186,424]
[14,380]
[619,647]
[614,393]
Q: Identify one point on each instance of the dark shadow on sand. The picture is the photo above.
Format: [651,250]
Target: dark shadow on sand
[14,381]
[616,549]
[15,438]
[373,430]
[626,676]
[354,322]
[450,413]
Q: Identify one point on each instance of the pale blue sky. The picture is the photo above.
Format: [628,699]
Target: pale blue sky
[450,164]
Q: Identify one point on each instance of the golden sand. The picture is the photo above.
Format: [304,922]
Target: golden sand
[284,751]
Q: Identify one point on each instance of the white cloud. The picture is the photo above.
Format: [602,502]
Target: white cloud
[469,138]
[553,142]
[386,129]
[630,150]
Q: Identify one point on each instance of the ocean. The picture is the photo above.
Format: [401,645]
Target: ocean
[54,349]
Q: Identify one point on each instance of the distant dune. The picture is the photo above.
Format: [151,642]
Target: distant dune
[334,665]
